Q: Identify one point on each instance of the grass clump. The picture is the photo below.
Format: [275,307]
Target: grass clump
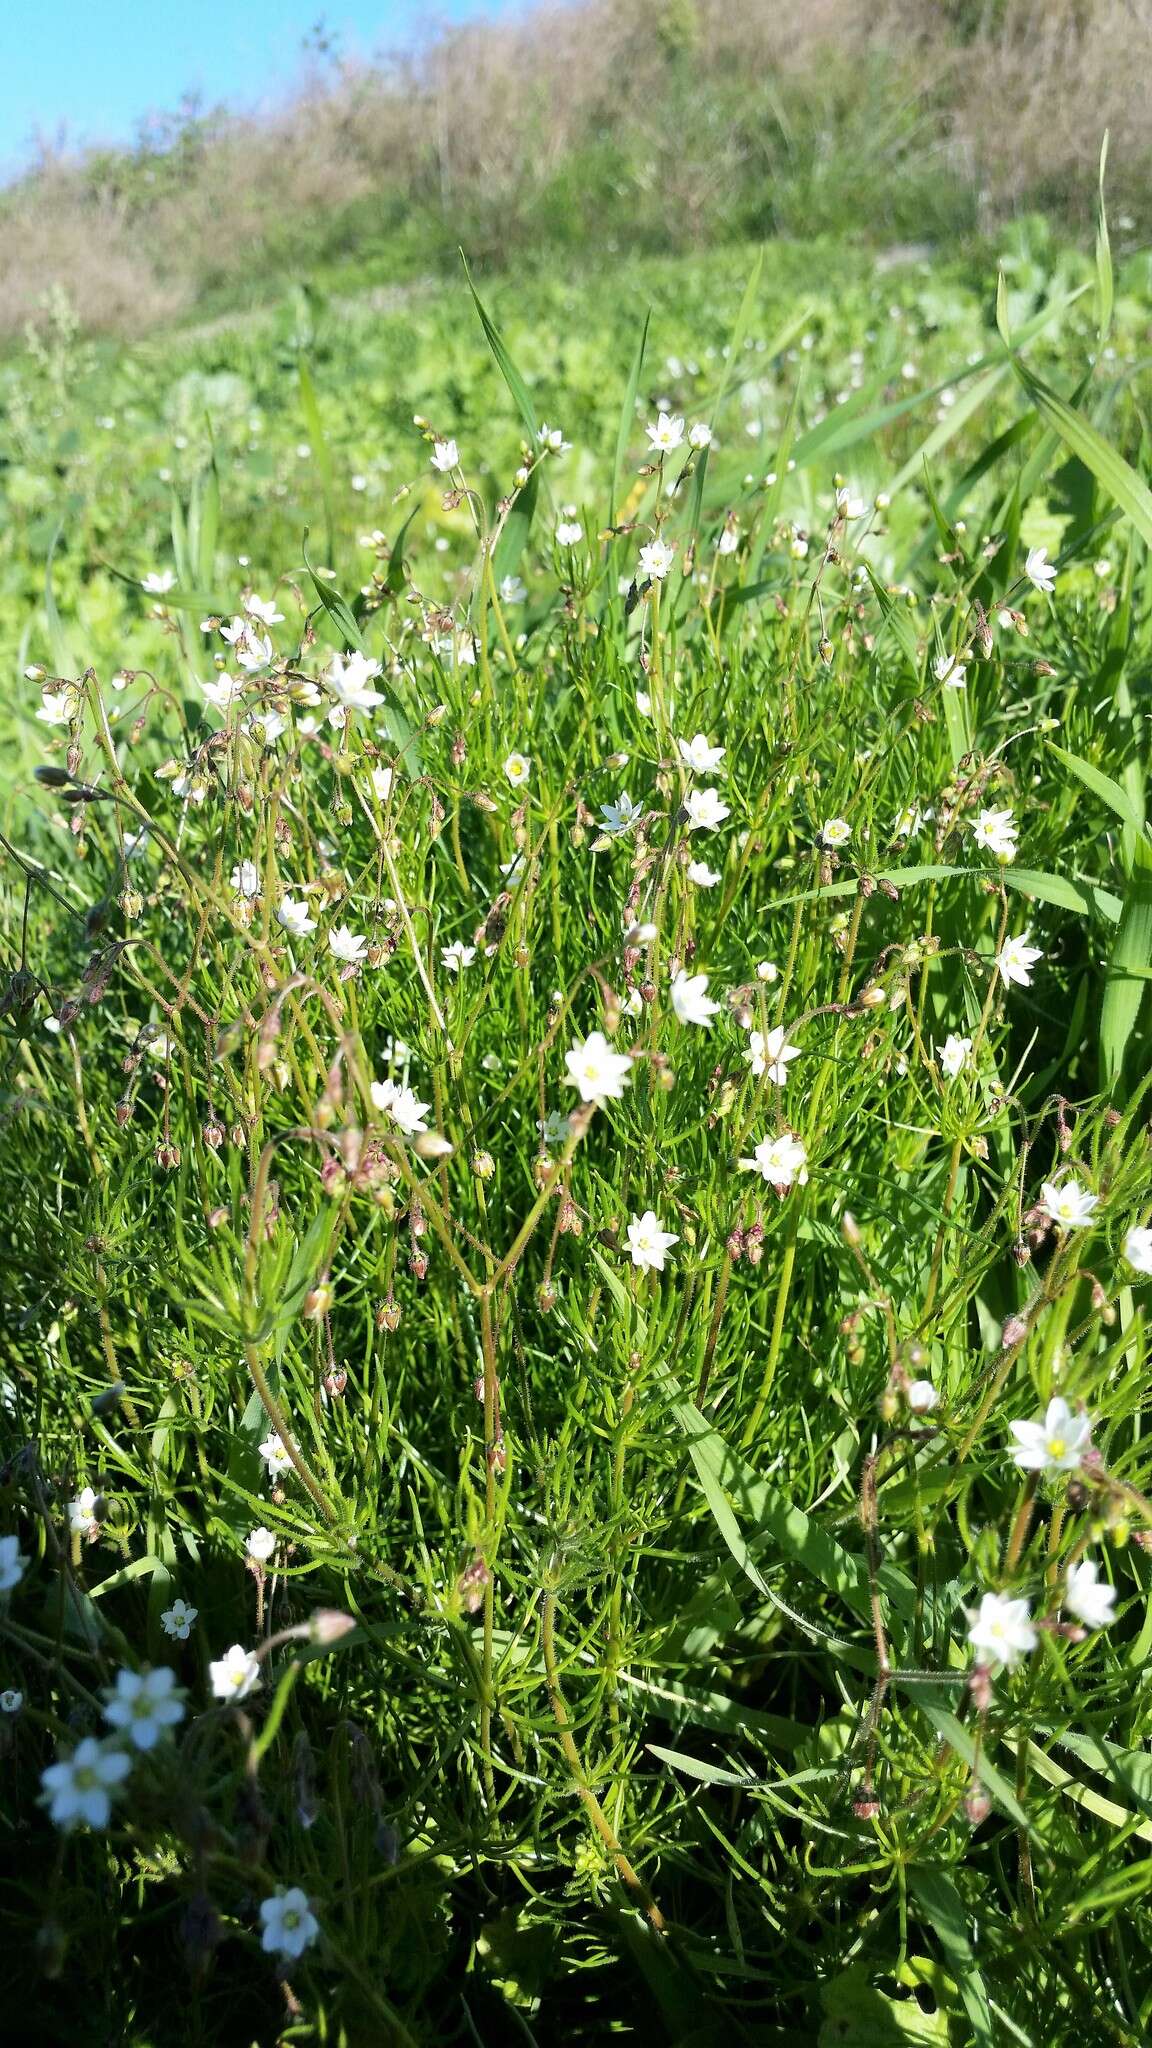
[577,1177]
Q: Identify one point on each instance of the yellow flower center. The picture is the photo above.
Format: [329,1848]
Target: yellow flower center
[1056,1446]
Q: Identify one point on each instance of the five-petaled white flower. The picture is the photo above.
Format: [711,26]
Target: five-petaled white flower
[648,1241]
[275,1456]
[263,609]
[234,1675]
[445,456]
[569,533]
[292,913]
[517,768]
[1057,1443]
[690,998]
[58,707]
[995,831]
[12,1563]
[656,559]
[158,582]
[290,1925]
[835,832]
[1039,570]
[704,810]
[700,755]
[350,677]
[701,875]
[457,955]
[950,672]
[769,1053]
[1138,1249]
[1068,1204]
[401,1104]
[143,1704]
[783,1161]
[954,1055]
[177,1620]
[260,1545]
[82,1511]
[1017,958]
[80,1787]
[599,1073]
[620,816]
[1091,1599]
[665,433]
[512,590]
[1001,1630]
[347,945]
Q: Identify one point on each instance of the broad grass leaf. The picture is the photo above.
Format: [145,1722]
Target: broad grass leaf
[504,363]
[1104,786]
[1128,965]
[1108,466]
[627,424]
[938,1897]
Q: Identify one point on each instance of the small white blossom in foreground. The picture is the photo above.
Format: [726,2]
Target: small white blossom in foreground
[782,1161]
[445,456]
[350,678]
[700,755]
[292,914]
[457,955]
[656,559]
[1016,959]
[143,1704]
[950,671]
[1091,1599]
[401,1104]
[58,707]
[1055,1444]
[690,999]
[849,504]
[12,1563]
[512,590]
[159,582]
[275,1456]
[665,433]
[1068,1204]
[82,1510]
[954,1055]
[769,1053]
[290,1925]
[729,541]
[1039,570]
[245,880]
[599,1073]
[767,970]
[80,1787]
[704,810]
[11,1701]
[620,816]
[1001,1630]
[263,609]
[835,832]
[648,1241]
[995,831]
[177,1620]
[234,1675]
[569,533]
[700,435]
[1138,1249]
[254,650]
[347,945]
[922,1397]
[222,693]
[260,1545]
[701,875]
[517,768]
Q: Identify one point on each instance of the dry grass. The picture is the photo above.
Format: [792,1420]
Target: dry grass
[608,121]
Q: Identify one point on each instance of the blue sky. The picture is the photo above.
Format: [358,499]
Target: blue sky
[96,68]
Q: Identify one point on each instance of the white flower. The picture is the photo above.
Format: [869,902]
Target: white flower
[1068,1204]
[704,810]
[767,970]
[1039,571]
[798,547]
[349,677]
[665,433]
[620,816]
[260,1545]
[158,582]
[690,1000]
[700,435]
[234,1675]
[457,955]
[1017,958]
[700,755]
[597,1071]
[781,1160]
[255,650]
[922,1397]
[996,832]
[445,456]
[1001,1630]
[517,768]
[347,945]
[512,590]
[849,505]
[1138,1249]
[699,872]
[552,438]
[293,915]
[555,1128]
[729,541]
[569,533]
[643,702]
[950,671]
[177,1620]
[222,693]
[290,1925]
[401,1105]
[58,707]
[954,1055]
[11,1701]
[143,1704]
[656,558]
[12,1563]
[265,727]
[82,1510]
[1055,1444]
[382,779]
[908,822]
[648,1241]
[1090,1599]
[80,1787]
[769,1053]
[275,1456]
[245,879]
[835,832]
[263,609]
